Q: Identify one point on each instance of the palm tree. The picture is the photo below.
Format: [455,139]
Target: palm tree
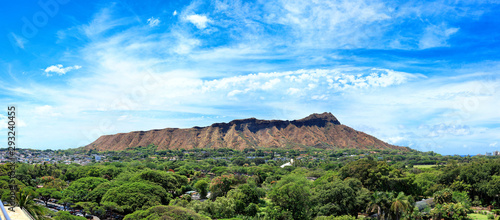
[25,200]
[376,204]
[399,205]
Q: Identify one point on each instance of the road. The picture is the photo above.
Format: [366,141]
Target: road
[59,205]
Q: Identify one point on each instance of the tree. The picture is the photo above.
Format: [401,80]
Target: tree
[450,211]
[24,199]
[45,194]
[110,207]
[372,174]
[335,198]
[64,215]
[425,181]
[202,187]
[379,203]
[64,201]
[223,207]
[343,217]
[399,206]
[80,189]
[494,188]
[221,185]
[137,195]
[170,182]
[443,196]
[88,207]
[165,212]
[245,195]
[56,183]
[294,198]
[97,193]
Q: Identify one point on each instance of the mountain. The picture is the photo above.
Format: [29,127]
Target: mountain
[317,130]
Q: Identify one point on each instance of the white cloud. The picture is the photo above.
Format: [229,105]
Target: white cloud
[395,140]
[270,84]
[46,111]
[234,93]
[338,79]
[3,122]
[175,13]
[153,22]
[494,144]
[200,21]
[293,91]
[448,129]
[175,71]
[319,97]
[341,24]
[344,23]
[436,36]
[102,22]
[59,69]
[185,44]
[123,117]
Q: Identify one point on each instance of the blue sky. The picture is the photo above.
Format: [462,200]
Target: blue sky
[413,73]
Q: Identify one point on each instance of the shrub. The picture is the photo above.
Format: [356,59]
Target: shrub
[165,212]
[252,209]
[342,217]
[450,211]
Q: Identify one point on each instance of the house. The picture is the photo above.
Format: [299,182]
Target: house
[421,205]
[287,164]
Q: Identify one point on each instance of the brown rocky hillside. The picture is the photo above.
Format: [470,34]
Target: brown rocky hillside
[318,130]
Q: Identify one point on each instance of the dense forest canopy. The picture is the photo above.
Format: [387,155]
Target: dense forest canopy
[257,184]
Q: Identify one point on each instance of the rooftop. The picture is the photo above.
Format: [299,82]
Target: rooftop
[17,214]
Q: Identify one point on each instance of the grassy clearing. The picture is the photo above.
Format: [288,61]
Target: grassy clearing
[478,216]
[423,166]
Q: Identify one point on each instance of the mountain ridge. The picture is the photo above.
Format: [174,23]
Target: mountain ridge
[316,130]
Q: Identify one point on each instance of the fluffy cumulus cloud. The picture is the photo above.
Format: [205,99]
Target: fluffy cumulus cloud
[59,69]
[200,21]
[153,22]
[325,81]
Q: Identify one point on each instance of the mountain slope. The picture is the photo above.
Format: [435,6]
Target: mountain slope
[318,130]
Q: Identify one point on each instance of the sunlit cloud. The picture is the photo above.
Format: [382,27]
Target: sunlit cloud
[200,21]
[59,69]
[153,22]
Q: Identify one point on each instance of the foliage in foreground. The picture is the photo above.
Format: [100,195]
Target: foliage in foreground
[251,184]
[165,213]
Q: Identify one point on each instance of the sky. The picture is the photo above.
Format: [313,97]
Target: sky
[422,74]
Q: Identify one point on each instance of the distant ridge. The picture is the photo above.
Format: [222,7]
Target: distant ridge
[316,130]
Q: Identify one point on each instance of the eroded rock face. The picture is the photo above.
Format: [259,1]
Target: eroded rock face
[318,130]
